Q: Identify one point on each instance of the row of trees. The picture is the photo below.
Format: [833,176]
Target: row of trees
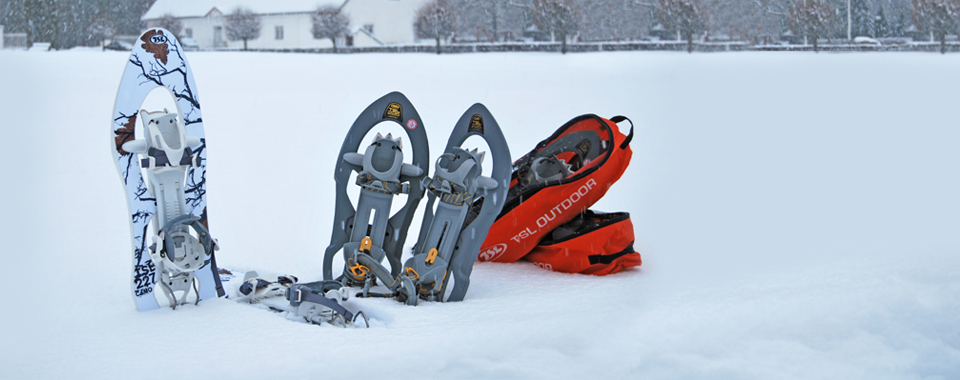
[68,23]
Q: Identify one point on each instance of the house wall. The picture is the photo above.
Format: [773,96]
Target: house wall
[391,20]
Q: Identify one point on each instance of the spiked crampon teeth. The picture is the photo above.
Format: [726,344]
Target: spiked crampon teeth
[397,140]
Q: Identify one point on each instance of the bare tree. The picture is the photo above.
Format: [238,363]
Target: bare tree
[171,23]
[684,16]
[938,17]
[557,18]
[435,20]
[243,24]
[100,29]
[330,22]
[810,19]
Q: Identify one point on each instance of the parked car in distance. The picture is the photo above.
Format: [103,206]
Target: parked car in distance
[119,46]
[189,44]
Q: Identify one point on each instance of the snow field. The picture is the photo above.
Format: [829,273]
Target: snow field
[797,214]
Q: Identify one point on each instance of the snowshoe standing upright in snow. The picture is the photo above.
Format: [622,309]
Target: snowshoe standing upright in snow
[170,148]
[367,228]
[467,203]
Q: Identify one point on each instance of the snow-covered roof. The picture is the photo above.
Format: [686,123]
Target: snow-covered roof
[200,8]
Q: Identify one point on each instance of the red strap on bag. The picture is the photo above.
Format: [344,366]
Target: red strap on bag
[529,214]
[593,243]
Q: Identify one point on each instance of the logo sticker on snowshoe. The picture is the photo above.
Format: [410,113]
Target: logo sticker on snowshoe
[492,253]
[411,124]
[393,111]
[584,147]
[155,42]
[476,124]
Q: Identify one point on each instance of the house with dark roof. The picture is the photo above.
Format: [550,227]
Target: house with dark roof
[288,24]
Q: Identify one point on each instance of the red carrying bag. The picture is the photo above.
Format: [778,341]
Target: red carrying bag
[593,243]
[557,181]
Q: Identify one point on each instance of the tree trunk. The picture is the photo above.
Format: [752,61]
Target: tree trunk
[563,44]
[943,43]
[333,40]
[438,45]
[690,43]
[244,44]
[815,47]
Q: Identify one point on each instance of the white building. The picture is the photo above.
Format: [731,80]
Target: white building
[287,24]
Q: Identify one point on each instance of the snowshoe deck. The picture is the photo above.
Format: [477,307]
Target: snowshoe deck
[157,61]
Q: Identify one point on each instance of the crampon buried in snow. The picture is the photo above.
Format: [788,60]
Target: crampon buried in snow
[162,165]
[313,302]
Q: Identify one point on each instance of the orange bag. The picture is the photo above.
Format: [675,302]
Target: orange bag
[555,182]
[593,243]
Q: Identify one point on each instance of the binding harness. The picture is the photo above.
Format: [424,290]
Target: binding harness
[166,156]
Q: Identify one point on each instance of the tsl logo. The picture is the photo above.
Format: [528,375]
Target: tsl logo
[158,39]
[394,111]
[492,253]
[476,124]
[411,124]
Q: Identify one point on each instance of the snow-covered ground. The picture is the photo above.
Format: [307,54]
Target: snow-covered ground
[798,216]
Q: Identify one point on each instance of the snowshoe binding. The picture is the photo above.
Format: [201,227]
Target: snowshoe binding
[367,229]
[467,203]
[181,244]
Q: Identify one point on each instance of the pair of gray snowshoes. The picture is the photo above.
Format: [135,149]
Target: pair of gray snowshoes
[461,205]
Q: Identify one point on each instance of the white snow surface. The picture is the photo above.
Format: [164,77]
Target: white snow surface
[797,214]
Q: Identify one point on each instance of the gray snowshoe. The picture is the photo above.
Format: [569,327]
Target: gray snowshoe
[467,203]
[367,228]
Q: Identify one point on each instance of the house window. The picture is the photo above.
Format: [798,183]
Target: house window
[278,32]
[188,32]
[368,28]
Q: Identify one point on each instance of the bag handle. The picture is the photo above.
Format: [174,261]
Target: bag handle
[618,119]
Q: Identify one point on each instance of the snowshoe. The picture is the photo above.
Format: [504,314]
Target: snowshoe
[171,151]
[367,228]
[467,203]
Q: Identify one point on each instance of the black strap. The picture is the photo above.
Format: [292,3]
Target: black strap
[300,294]
[618,119]
[161,159]
[607,259]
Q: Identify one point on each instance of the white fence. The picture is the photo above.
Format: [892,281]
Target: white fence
[12,40]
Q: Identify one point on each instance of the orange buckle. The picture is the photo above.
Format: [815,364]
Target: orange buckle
[432,256]
[408,270]
[365,244]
